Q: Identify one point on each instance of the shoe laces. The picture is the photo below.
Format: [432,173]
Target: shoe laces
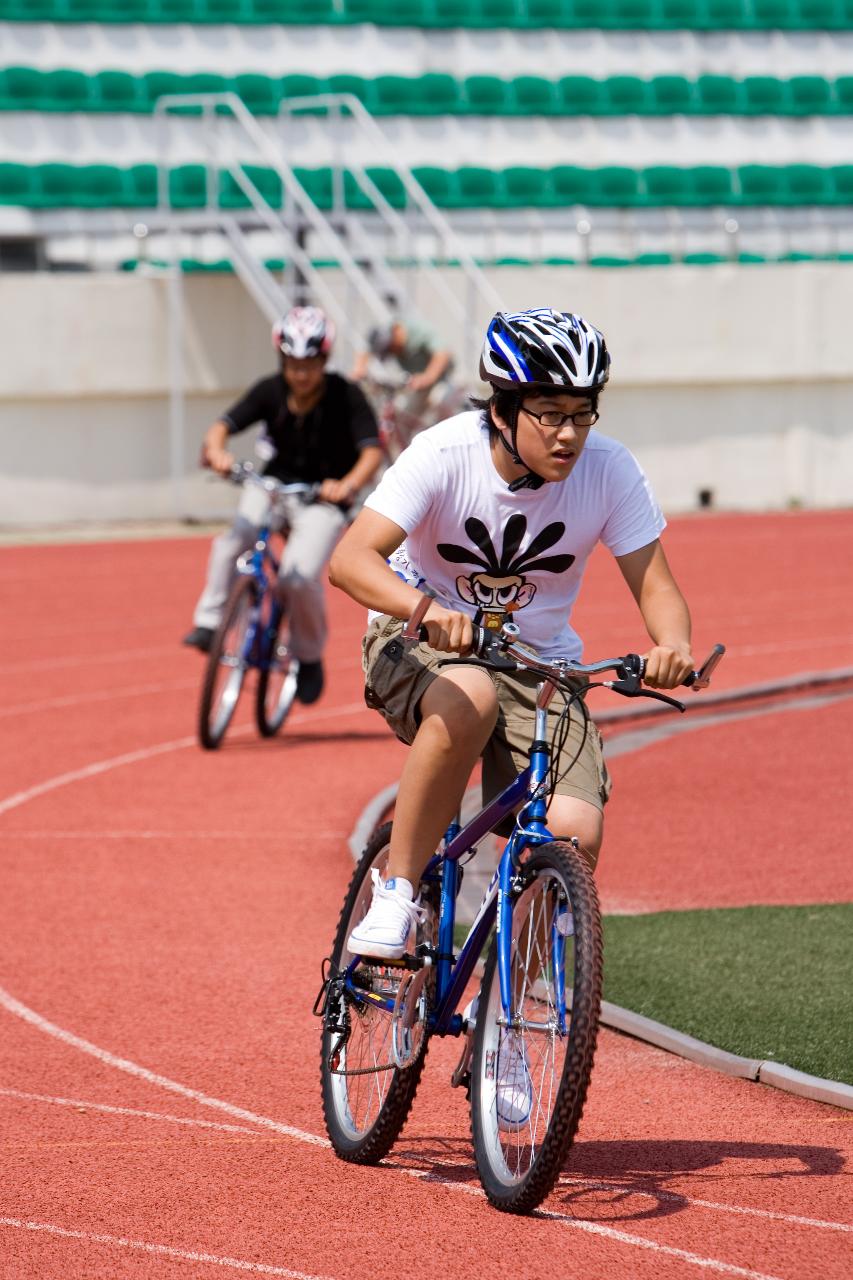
[414,910]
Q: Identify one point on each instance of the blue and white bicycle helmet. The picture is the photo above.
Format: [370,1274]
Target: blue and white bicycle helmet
[303,332]
[543,347]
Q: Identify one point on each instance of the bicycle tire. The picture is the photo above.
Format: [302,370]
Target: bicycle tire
[519,1158]
[392,1091]
[276,687]
[218,704]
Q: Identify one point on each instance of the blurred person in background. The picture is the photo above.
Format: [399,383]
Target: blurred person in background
[318,428]
[413,352]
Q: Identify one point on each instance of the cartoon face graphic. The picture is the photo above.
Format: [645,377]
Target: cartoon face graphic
[498,587]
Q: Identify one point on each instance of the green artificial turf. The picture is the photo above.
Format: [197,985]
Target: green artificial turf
[773,983]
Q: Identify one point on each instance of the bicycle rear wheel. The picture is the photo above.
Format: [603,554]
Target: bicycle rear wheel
[227,663]
[276,678]
[366,1096]
[529,1079]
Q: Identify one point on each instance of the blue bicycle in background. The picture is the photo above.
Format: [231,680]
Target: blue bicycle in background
[253,632]
[530,1034]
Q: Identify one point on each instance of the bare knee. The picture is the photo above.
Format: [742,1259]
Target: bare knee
[461,712]
[570,818]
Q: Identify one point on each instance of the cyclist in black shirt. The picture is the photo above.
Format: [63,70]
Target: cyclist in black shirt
[318,427]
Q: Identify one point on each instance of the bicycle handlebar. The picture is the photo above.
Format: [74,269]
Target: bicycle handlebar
[241,472]
[505,651]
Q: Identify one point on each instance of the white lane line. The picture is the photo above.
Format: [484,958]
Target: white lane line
[609,1233]
[85,660]
[103,695]
[134,1069]
[161,1250]
[123,1064]
[147,753]
[83,1104]
[795,1219]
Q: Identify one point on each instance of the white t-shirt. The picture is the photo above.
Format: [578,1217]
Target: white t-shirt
[502,556]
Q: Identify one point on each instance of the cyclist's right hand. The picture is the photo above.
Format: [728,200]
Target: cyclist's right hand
[219,460]
[448,630]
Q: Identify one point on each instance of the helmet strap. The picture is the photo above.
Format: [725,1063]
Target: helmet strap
[530,480]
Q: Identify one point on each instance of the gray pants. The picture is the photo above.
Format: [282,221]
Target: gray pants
[314,530]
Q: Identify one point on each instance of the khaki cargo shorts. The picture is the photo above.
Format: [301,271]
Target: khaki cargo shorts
[398,675]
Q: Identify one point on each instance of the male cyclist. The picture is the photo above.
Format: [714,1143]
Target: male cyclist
[416,352]
[497,511]
[318,427]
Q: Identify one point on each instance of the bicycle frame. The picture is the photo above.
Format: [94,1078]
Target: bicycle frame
[252,564]
[529,831]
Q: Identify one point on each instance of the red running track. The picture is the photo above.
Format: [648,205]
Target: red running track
[164,912]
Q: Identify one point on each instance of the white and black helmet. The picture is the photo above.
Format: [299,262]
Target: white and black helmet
[544,347]
[303,332]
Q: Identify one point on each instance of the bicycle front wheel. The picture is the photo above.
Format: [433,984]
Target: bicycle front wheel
[227,663]
[276,679]
[530,1072]
[366,1094]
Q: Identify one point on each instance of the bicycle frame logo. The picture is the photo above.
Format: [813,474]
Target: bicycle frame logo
[498,588]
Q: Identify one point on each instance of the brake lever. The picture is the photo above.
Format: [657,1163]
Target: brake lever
[630,687]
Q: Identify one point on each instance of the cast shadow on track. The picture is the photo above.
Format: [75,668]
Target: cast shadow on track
[297,738]
[610,1182]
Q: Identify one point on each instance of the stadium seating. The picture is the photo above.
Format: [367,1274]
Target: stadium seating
[55,185]
[433,94]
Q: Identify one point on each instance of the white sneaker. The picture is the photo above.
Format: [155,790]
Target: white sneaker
[514,1094]
[385,930]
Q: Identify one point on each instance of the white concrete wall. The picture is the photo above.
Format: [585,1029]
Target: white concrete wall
[739,380]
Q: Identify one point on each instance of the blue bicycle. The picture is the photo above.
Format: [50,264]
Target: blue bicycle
[253,631]
[530,1034]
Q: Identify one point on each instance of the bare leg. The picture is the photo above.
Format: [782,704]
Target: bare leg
[458,714]
[569,816]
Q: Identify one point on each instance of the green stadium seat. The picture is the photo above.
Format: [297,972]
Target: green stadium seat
[456,13]
[355,196]
[807,184]
[437,94]
[719,95]
[118,91]
[704,259]
[225,11]
[188,186]
[672,95]
[17,184]
[581,96]
[395,95]
[390,185]
[609,260]
[59,186]
[159,84]
[261,94]
[711,184]
[765,95]
[67,91]
[667,185]
[810,95]
[501,13]
[653,260]
[28,10]
[571,184]
[141,182]
[177,10]
[318,184]
[533,96]
[101,186]
[841,179]
[726,15]
[478,187]
[360,88]
[390,13]
[303,86]
[527,187]
[628,95]
[843,95]
[615,185]
[438,184]
[487,95]
[776,14]
[680,15]
[823,14]
[267,182]
[547,13]
[627,15]
[25,89]
[761,184]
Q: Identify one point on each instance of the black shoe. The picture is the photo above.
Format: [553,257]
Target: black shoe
[200,638]
[309,682]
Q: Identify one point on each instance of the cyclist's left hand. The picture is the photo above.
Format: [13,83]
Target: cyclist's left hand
[667,665]
[338,491]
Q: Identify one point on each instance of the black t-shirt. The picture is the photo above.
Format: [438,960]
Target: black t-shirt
[322,445]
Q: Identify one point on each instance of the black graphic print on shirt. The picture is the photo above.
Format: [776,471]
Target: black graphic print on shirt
[498,586]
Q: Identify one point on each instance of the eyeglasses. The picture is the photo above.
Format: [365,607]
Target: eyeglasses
[553,419]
